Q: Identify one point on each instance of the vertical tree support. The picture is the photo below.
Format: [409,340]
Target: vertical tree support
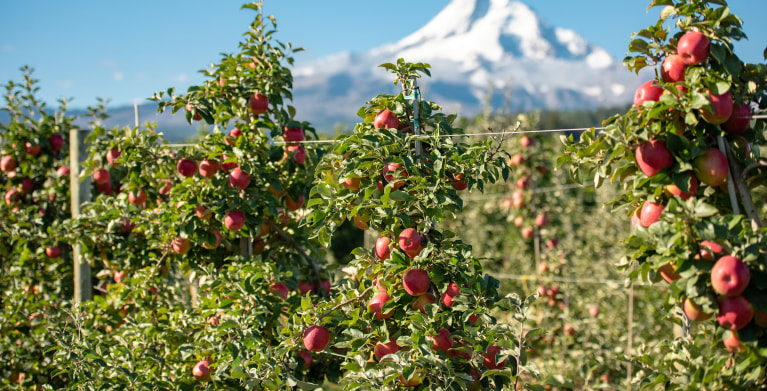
[79,194]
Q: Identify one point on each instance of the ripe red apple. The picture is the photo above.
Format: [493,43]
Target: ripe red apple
[293,136]
[201,371]
[674,190]
[385,119]
[518,221]
[53,252]
[382,250]
[542,220]
[721,108]
[202,212]
[734,312]
[298,152]
[316,338]
[234,220]
[376,305]
[543,267]
[739,120]
[709,248]
[650,91]
[258,103]
[352,184]
[527,232]
[693,47]
[304,287]
[292,205]
[180,245]
[552,243]
[382,349]
[711,167]
[231,138]
[594,311]
[668,272]
[279,288]
[208,168]
[489,359]
[650,213]
[186,167]
[422,301]
[196,116]
[27,185]
[7,163]
[137,197]
[733,344]
[227,166]
[101,176]
[306,357]
[526,141]
[33,149]
[211,246]
[416,282]
[361,222]
[390,174]
[694,312]
[239,178]
[523,182]
[457,183]
[112,156]
[672,69]
[11,196]
[63,171]
[516,160]
[730,276]
[652,157]
[451,292]
[410,242]
[442,341]
[56,141]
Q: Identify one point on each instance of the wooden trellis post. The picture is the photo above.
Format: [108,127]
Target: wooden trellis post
[79,194]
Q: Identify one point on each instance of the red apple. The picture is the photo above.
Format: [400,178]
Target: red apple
[298,152]
[137,197]
[442,341]
[650,91]
[63,171]
[711,167]
[739,120]
[352,184]
[652,157]
[542,220]
[382,250]
[526,141]
[279,288]
[411,242]
[196,116]
[527,233]
[416,282]
[730,276]
[101,176]
[180,245]
[709,248]
[693,47]
[208,168]
[650,213]
[516,160]
[392,172]
[186,167]
[27,185]
[457,183]
[292,205]
[733,344]
[112,156]
[305,287]
[376,305]
[385,119]
[56,141]
[293,136]
[518,221]
[523,182]
[33,149]
[201,371]
[7,163]
[120,276]
[231,138]
[672,69]
[211,246]
[543,267]
[694,312]
[668,272]
[11,196]
[594,311]
[202,212]
[239,178]
[422,301]
[721,108]
[734,312]
[234,220]
[451,292]
[258,103]
[489,358]
[53,252]
[306,357]
[227,166]
[382,349]
[316,338]
[674,190]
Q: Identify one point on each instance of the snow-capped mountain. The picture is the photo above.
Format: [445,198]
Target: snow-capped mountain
[475,47]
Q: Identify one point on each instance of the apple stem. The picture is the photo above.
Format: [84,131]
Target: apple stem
[735,178]
[353,299]
[303,253]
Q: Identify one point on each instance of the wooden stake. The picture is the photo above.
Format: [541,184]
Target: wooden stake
[79,194]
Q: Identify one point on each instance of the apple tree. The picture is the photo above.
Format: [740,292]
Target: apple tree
[687,156]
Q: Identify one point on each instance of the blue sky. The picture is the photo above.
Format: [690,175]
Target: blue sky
[127,50]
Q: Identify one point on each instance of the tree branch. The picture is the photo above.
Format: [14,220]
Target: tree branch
[743,190]
[303,253]
[353,299]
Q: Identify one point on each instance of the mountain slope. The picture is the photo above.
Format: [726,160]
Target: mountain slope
[475,48]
